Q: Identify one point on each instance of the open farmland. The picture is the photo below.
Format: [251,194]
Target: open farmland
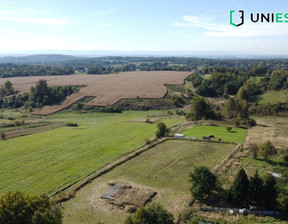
[164,169]
[51,160]
[107,89]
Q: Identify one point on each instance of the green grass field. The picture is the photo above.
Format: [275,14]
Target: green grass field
[236,135]
[272,97]
[256,79]
[206,76]
[49,161]
[164,168]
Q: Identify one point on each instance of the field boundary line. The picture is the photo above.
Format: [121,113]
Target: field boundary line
[219,167]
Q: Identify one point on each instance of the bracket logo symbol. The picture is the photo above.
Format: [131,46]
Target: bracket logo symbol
[241,18]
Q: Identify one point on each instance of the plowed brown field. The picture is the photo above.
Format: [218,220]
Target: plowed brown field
[107,89]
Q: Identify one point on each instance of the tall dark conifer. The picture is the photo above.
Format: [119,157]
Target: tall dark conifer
[239,191]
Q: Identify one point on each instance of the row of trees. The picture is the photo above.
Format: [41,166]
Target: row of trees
[20,70]
[38,96]
[243,192]
[219,84]
[276,81]
[279,109]
[42,65]
[253,191]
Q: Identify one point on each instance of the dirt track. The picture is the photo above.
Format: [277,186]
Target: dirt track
[107,89]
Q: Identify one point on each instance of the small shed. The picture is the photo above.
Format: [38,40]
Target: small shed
[278,175]
[179,136]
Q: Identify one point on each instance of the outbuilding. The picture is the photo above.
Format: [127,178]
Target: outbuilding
[179,136]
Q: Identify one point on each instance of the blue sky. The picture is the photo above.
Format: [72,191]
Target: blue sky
[150,25]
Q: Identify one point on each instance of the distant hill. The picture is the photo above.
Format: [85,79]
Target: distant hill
[38,59]
[105,53]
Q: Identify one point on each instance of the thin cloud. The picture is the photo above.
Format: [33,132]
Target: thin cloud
[213,29]
[201,22]
[50,21]
[252,30]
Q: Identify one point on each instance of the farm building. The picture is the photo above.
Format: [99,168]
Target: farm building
[179,136]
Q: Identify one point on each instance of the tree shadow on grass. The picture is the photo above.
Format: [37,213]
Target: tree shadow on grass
[255,99]
[273,163]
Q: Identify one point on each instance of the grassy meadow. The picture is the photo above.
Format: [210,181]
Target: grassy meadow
[164,168]
[236,135]
[271,97]
[49,161]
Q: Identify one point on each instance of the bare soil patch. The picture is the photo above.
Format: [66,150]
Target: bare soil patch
[128,197]
[107,89]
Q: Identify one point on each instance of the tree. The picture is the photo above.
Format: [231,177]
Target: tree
[254,149]
[239,190]
[48,216]
[17,208]
[153,214]
[162,130]
[40,91]
[8,88]
[200,108]
[231,109]
[271,191]
[256,189]
[242,94]
[203,182]
[267,149]
[236,108]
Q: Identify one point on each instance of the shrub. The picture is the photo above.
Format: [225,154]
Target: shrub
[162,130]
[228,129]
[267,149]
[48,216]
[148,141]
[254,149]
[69,124]
[3,136]
[152,214]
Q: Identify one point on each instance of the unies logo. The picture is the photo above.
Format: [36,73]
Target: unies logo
[237,18]
[233,19]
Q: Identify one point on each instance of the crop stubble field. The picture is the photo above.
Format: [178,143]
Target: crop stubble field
[107,89]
